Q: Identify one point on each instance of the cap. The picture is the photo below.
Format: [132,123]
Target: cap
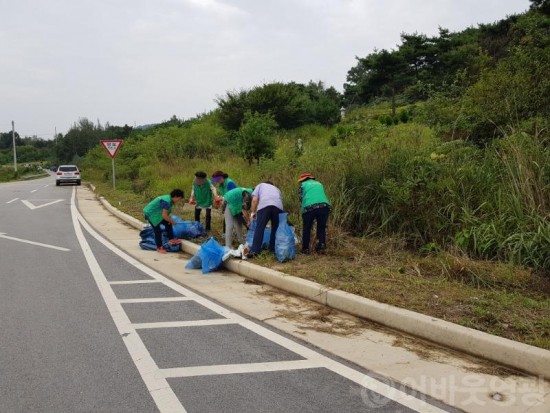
[304,176]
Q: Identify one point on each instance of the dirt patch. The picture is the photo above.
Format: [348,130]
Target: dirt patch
[312,316]
[426,350]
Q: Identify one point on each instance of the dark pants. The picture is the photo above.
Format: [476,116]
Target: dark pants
[321,216]
[264,215]
[158,232]
[208,217]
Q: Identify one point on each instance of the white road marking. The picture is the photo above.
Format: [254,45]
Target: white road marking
[14,199]
[147,281]
[32,206]
[26,241]
[34,190]
[161,392]
[241,368]
[148,364]
[153,300]
[193,323]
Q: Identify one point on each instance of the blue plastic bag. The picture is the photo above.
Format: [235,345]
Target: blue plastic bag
[148,240]
[250,235]
[284,240]
[194,263]
[211,254]
[187,229]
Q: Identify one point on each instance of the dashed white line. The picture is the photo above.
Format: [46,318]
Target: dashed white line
[13,200]
[147,281]
[240,368]
[154,300]
[193,323]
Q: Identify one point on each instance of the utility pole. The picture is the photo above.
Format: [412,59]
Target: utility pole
[55,136]
[14,153]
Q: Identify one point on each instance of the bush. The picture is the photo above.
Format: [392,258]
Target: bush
[255,137]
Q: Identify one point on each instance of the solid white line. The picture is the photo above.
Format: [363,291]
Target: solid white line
[160,390]
[147,281]
[53,247]
[14,199]
[193,323]
[240,368]
[153,300]
[364,380]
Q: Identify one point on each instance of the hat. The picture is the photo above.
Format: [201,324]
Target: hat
[304,176]
[217,176]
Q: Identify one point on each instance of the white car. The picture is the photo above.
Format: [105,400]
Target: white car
[67,173]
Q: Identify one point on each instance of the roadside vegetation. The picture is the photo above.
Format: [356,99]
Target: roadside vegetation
[438,172]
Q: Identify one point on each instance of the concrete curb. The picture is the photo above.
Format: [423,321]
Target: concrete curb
[530,359]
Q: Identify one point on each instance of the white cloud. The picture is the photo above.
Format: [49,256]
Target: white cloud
[126,61]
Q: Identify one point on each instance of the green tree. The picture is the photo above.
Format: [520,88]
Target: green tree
[255,137]
[517,88]
[6,140]
[83,136]
[291,104]
[541,5]
[381,73]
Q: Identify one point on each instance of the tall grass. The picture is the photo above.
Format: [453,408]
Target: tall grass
[399,181]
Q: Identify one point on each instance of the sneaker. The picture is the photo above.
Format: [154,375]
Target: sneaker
[161,250]
[174,241]
[320,247]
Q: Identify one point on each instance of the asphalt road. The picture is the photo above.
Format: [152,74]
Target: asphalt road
[84,328]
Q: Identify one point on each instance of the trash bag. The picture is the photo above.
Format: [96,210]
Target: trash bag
[249,240]
[241,252]
[250,233]
[226,253]
[187,229]
[284,240]
[194,263]
[211,254]
[148,240]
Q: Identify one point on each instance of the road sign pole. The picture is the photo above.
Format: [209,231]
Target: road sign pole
[113,160]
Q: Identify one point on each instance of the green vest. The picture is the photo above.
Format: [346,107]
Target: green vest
[234,199]
[203,194]
[223,187]
[153,210]
[312,193]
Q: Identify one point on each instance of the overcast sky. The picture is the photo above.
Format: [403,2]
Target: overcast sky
[137,62]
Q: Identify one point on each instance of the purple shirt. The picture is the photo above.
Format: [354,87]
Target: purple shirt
[268,195]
